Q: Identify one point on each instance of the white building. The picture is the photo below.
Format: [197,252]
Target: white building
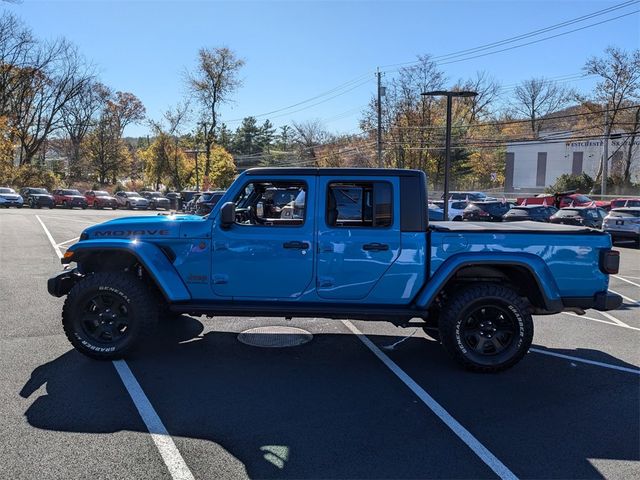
[532,166]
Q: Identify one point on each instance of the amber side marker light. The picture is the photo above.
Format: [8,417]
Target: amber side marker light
[67,255]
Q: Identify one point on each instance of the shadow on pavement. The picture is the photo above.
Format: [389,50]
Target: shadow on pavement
[330,409]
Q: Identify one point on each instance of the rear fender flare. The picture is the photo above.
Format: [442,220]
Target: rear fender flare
[532,263]
[148,255]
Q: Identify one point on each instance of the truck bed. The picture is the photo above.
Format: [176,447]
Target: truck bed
[509,227]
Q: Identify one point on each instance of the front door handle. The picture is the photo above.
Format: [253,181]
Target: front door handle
[375,247]
[296,245]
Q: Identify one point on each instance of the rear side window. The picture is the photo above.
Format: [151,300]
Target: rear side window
[359,204]
[517,212]
[567,213]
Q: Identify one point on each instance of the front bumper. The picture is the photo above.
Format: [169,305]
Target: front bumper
[62,283]
[602,301]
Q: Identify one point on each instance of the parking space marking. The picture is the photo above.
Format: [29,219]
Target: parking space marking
[613,319]
[625,280]
[167,448]
[630,300]
[68,241]
[584,360]
[164,443]
[48,234]
[618,323]
[472,442]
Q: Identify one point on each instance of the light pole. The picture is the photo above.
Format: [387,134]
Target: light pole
[447,160]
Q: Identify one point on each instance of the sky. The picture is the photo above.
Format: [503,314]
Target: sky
[295,51]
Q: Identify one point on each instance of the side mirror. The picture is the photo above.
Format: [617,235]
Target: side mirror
[228,215]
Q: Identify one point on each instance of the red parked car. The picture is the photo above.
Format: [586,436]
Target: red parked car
[67,198]
[625,202]
[564,199]
[100,199]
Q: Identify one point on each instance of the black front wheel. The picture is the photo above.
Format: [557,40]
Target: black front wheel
[486,328]
[106,314]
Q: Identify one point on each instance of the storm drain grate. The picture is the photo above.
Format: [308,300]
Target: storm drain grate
[275,337]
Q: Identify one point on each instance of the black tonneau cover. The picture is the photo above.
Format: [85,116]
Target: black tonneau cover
[508,227]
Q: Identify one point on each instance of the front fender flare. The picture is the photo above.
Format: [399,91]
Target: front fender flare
[150,257]
[534,264]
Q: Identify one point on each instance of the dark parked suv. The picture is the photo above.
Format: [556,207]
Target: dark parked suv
[37,197]
[207,201]
[585,216]
[156,200]
[485,211]
[534,213]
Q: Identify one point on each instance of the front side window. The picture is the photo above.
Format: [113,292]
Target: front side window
[264,203]
[359,204]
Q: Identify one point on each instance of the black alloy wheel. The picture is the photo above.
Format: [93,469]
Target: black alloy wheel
[489,329]
[105,318]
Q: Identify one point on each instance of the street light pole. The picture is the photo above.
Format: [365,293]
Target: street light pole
[447,158]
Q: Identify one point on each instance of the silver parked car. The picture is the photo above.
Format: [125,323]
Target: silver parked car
[623,223]
[131,200]
[9,198]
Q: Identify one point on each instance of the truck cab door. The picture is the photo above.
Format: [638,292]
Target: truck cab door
[269,251]
[358,234]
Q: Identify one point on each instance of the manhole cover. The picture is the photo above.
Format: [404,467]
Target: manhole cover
[275,337]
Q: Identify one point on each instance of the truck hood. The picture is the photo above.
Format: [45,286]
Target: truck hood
[157,227]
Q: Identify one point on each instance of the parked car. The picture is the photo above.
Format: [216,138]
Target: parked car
[456,207]
[131,200]
[534,213]
[469,196]
[625,202]
[174,200]
[435,213]
[563,199]
[190,206]
[487,211]
[207,201]
[69,198]
[185,198]
[623,223]
[37,197]
[156,200]
[586,216]
[478,285]
[100,199]
[9,198]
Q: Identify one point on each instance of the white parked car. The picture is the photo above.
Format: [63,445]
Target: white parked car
[456,208]
[9,198]
[623,223]
[131,200]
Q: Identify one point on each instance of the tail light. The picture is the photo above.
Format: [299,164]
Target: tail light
[610,261]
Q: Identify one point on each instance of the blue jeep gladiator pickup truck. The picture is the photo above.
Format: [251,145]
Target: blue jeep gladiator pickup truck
[333,243]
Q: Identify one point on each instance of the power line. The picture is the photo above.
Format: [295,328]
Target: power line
[523,36]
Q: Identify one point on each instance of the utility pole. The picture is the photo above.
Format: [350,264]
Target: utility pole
[605,153]
[379,136]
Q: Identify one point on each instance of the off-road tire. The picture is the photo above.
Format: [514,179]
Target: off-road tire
[141,307]
[459,309]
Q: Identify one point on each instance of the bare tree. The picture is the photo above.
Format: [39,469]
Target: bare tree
[536,98]
[307,136]
[39,99]
[212,83]
[618,86]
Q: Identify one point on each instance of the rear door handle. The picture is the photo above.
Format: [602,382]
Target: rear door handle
[375,247]
[296,245]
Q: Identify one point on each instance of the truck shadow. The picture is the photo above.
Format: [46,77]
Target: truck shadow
[330,409]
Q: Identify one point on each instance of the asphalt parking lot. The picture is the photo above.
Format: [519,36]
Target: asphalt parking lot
[341,406]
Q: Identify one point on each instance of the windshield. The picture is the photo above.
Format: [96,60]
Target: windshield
[521,212]
[581,198]
[7,190]
[567,212]
[39,191]
[101,194]
[132,194]
[71,192]
[155,194]
[625,213]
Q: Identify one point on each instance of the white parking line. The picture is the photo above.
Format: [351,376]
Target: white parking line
[625,280]
[478,448]
[583,360]
[53,242]
[163,441]
[167,448]
[613,324]
[68,241]
[613,319]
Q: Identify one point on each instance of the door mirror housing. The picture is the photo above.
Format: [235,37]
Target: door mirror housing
[228,215]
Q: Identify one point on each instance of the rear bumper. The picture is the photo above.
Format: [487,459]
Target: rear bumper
[623,233]
[600,301]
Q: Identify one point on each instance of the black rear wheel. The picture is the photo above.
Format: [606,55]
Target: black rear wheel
[486,328]
[106,314]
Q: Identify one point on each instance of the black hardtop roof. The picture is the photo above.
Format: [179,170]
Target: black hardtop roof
[371,172]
